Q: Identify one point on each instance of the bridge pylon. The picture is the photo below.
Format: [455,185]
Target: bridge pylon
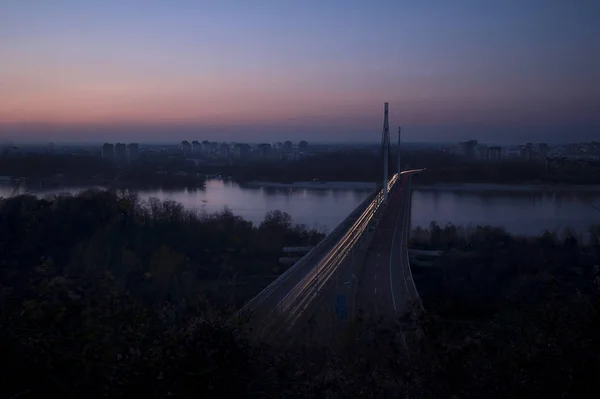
[399,164]
[385,146]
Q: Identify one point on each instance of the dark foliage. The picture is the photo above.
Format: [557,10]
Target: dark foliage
[101,295]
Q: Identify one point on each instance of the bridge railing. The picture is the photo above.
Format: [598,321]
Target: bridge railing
[303,265]
[312,286]
[413,293]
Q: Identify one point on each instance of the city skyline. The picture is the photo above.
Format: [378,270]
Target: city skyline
[168,71]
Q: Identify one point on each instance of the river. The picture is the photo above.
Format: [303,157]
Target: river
[520,211]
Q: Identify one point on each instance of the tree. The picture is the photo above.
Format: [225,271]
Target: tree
[276,220]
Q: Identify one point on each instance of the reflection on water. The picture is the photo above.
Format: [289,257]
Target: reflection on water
[320,209]
[520,212]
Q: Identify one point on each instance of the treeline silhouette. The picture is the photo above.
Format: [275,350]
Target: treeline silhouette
[80,169]
[512,316]
[154,249]
[357,165]
[442,167]
[103,295]
[510,172]
[173,170]
[47,165]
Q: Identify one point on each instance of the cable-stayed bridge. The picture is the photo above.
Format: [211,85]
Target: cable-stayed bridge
[361,266]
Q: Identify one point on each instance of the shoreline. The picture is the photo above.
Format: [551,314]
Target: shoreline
[330,185]
[318,185]
[530,187]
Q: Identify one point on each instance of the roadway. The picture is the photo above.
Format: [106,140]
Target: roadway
[324,279]
[386,289]
[367,268]
[294,294]
[374,283]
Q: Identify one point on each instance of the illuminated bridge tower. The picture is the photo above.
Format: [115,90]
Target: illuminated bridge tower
[385,146]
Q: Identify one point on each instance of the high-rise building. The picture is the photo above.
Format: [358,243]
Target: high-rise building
[120,152]
[287,146]
[264,150]
[186,147]
[108,151]
[543,150]
[224,151]
[467,148]
[206,146]
[494,153]
[525,152]
[241,151]
[481,152]
[196,146]
[303,146]
[133,151]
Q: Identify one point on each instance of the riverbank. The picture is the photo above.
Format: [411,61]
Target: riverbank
[314,185]
[490,187]
[66,184]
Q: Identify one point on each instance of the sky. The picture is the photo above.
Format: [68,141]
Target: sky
[320,70]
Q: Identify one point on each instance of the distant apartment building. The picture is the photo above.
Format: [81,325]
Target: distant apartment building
[224,151]
[241,151]
[196,146]
[108,151]
[481,152]
[120,153]
[543,150]
[494,153]
[303,146]
[467,149]
[186,147]
[206,146]
[525,152]
[287,146]
[264,150]
[291,156]
[133,151]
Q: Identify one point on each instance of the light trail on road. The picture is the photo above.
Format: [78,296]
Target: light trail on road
[319,277]
[305,291]
[295,298]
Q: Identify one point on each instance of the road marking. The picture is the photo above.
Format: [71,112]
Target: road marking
[391,257]
[375,277]
[375,290]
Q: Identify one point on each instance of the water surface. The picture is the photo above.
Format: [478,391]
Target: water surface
[520,212]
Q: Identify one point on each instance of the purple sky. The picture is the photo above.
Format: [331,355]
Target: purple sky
[150,70]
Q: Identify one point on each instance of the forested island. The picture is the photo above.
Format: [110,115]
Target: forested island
[105,295]
[366,166]
[357,165]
